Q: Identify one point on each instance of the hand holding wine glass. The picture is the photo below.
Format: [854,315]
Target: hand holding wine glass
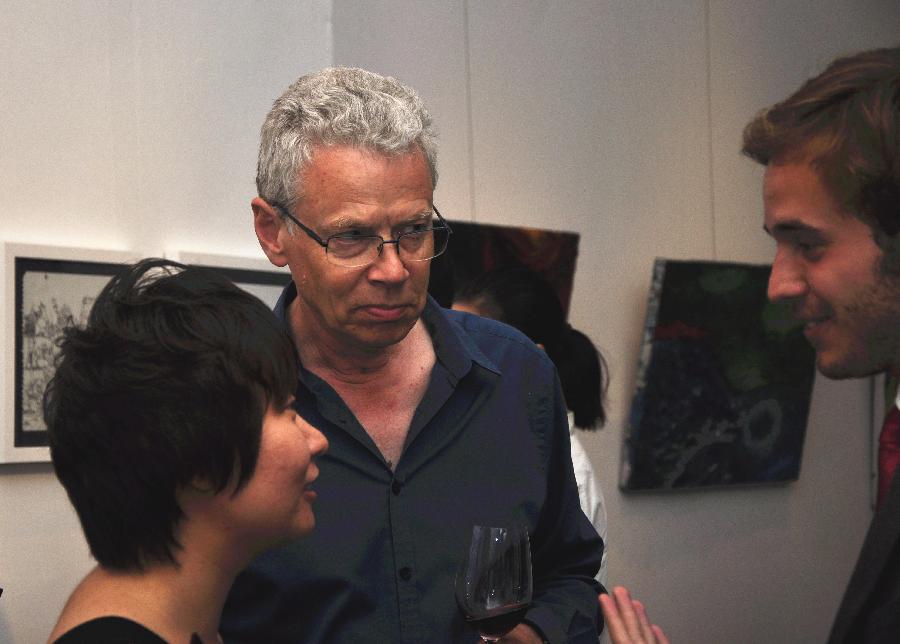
[493,583]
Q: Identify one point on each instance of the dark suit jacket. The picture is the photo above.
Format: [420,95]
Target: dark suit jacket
[870,610]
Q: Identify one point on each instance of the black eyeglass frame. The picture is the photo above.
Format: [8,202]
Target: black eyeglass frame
[443,225]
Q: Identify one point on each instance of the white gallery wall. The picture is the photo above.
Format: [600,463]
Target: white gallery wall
[129,126]
[133,126]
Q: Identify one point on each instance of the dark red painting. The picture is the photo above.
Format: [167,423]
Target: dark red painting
[478,248]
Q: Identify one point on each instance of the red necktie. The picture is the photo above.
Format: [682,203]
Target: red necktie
[888,452]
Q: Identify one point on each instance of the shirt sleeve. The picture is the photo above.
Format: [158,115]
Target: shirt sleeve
[566,548]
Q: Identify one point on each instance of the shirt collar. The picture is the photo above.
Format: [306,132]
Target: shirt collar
[453,347]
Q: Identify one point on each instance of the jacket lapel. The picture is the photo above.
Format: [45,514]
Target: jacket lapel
[880,541]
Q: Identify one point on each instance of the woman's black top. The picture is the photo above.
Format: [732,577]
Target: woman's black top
[114,630]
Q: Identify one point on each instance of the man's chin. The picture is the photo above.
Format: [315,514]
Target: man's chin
[383,335]
[836,369]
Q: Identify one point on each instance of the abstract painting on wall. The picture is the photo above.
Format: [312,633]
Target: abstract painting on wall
[724,382]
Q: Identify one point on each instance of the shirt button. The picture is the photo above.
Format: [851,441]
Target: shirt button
[405,573]
[396,486]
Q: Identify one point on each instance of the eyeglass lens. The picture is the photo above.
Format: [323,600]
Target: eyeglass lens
[413,246]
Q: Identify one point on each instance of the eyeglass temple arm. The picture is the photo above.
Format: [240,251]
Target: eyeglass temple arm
[309,231]
[443,221]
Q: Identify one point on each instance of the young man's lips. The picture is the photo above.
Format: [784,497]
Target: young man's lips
[812,326]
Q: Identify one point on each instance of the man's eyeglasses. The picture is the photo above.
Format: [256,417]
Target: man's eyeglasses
[420,242]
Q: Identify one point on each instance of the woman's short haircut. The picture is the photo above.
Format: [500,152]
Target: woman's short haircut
[164,388]
[845,122]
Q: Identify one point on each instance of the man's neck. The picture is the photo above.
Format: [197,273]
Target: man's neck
[334,359]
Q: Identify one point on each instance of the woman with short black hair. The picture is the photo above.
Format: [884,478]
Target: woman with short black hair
[172,430]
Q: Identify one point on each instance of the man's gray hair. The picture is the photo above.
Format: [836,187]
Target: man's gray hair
[338,106]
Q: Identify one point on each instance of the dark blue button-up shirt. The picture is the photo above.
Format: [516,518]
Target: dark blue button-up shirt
[488,445]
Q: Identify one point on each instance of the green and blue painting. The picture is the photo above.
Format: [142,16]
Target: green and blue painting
[724,382]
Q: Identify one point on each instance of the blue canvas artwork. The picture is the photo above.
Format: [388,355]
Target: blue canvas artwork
[724,382]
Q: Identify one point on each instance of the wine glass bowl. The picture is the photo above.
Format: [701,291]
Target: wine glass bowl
[493,583]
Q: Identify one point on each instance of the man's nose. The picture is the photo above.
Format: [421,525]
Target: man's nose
[788,277]
[388,267]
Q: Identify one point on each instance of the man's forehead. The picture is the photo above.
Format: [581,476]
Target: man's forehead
[798,189]
[327,150]
[350,165]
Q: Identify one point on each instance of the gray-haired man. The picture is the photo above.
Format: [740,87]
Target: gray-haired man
[437,420]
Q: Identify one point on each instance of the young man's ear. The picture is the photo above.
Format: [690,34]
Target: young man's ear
[268,226]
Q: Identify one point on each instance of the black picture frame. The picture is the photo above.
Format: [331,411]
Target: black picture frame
[266,285]
[47,288]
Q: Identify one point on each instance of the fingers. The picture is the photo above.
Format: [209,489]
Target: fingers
[642,623]
[660,636]
[633,615]
[626,620]
[614,624]
[620,617]
[628,613]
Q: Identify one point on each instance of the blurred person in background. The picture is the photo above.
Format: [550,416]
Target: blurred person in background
[523,299]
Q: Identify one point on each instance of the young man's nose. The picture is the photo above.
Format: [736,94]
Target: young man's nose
[788,277]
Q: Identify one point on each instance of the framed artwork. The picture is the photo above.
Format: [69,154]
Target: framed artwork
[46,289]
[478,248]
[724,382]
[255,275]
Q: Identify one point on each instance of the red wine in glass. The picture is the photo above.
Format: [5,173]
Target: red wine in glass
[493,582]
[498,624]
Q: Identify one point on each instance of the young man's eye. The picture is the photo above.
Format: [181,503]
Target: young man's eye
[810,249]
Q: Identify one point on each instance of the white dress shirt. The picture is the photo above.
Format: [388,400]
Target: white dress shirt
[589,493]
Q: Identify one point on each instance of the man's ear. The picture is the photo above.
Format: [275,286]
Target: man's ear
[269,231]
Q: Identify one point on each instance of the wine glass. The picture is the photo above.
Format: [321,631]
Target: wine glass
[493,583]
